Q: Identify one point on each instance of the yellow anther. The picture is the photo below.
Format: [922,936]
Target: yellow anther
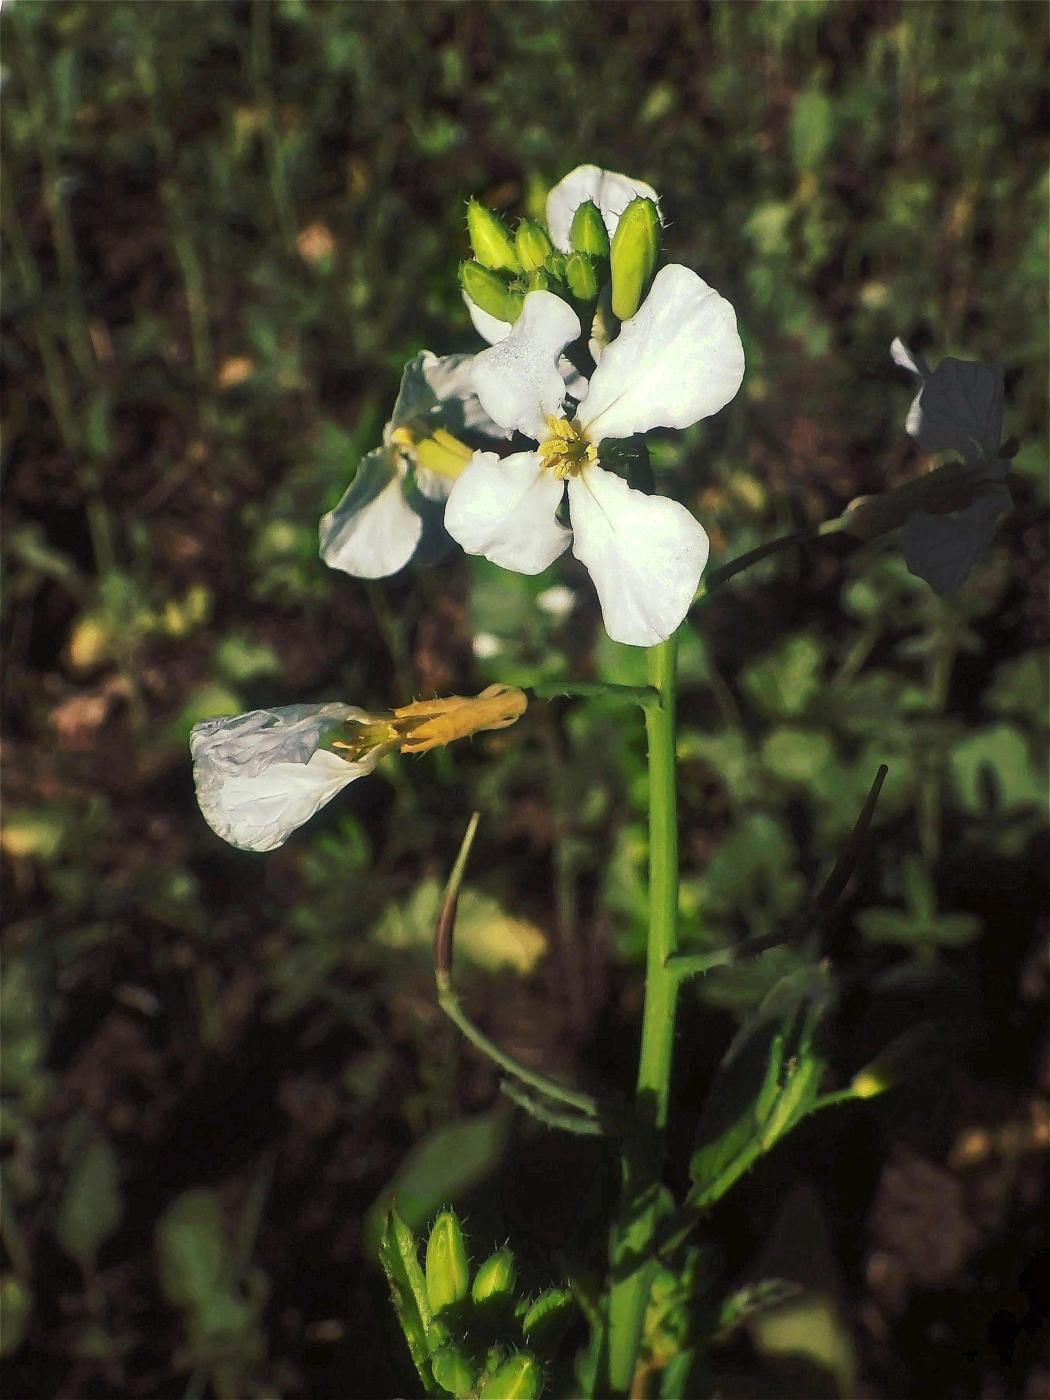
[436,449]
[568,450]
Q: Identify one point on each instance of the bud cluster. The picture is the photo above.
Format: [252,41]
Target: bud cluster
[477,1338]
[507,266]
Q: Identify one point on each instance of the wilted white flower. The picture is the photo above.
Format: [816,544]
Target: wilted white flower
[262,774]
[677,360]
[958,408]
[394,504]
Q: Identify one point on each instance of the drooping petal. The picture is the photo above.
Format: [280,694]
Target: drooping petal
[518,381]
[644,553]
[959,407]
[489,327]
[942,549]
[677,360]
[505,510]
[373,531]
[436,392]
[610,191]
[260,775]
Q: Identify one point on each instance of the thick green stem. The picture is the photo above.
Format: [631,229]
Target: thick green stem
[636,1224]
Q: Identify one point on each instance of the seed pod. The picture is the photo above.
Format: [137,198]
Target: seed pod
[496,1277]
[635,251]
[448,1270]
[491,239]
[518,1378]
[588,233]
[532,245]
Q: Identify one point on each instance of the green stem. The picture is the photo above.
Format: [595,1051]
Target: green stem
[643,1159]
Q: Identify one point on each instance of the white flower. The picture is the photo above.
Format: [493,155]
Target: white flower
[262,774]
[384,516]
[959,408]
[677,360]
[610,191]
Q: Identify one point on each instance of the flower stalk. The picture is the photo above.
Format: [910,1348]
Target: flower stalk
[635,1228]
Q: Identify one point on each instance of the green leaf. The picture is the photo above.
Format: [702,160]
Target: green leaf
[785,682]
[799,756]
[91,1206]
[192,1249]
[992,769]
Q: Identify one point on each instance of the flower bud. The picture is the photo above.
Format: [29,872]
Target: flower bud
[587,232]
[532,245]
[635,250]
[448,1271]
[496,1277]
[539,280]
[555,265]
[519,1378]
[491,239]
[489,291]
[581,276]
[453,1371]
[547,1318]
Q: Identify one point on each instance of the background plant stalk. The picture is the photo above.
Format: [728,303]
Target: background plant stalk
[643,1156]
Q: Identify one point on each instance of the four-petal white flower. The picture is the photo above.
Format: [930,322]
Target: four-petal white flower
[384,518]
[262,774]
[677,360]
[958,408]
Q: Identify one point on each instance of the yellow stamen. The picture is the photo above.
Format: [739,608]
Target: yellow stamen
[568,450]
[437,450]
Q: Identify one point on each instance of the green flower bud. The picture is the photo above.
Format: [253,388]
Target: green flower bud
[448,1270]
[519,1378]
[496,1277]
[555,265]
[453,1371]
[488,290]
[532,245]
[635,250]
[491,239]
[548,1317]
[539,280]
[587,232]
[581,276]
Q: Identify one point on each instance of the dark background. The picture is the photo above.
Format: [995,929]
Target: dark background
[226,228]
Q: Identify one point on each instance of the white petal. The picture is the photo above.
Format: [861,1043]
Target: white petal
[517,381]
[959,408]
[260,775]
[610,191]
[489,327]
[505,510]
[436,392]
[373,531]
[644,553]
[677,360]
[901,355]
[942,549]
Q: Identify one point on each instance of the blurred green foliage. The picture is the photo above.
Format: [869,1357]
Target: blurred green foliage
[226,229]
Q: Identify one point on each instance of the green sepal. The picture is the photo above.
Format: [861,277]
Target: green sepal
[587,232]
[518,1378]
[582,276]
[532,245]
[634,255]
[448,1269]
[399,1256]
[496,1277]
[547,1319]
[491,239]
[488,290]
[453,1372]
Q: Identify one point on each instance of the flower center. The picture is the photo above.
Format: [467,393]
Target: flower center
[568,449]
